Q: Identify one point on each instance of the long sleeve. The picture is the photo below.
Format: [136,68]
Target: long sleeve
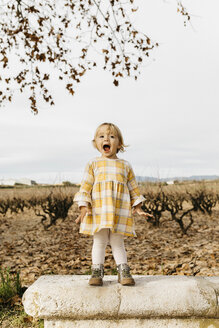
[136,197]
[84,194]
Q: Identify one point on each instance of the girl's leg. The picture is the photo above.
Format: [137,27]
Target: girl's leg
[119,253]
[100,241]
[118,247]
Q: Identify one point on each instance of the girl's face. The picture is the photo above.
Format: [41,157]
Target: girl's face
[107,142]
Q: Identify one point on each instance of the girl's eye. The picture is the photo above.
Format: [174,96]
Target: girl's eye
[101,137]
[112,137]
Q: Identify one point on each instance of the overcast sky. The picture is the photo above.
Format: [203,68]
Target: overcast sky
[169,117]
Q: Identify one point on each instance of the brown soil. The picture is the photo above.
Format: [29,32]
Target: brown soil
[26,247]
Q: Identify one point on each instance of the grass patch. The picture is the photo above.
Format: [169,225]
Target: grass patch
[12,314]
[10,287]
[15,317]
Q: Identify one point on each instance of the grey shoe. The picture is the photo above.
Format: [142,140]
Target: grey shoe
[97,274]
[124,275]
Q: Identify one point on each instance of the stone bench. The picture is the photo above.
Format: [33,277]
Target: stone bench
[154,302]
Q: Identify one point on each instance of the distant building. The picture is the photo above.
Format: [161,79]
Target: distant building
[12,182]
[26,181]
[8,182]
[170,182]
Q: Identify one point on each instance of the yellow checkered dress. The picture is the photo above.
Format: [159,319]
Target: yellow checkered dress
[109,186]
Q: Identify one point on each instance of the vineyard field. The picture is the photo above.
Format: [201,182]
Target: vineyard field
[34,245]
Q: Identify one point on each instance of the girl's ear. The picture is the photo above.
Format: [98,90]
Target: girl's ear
[94,143]
[119,147]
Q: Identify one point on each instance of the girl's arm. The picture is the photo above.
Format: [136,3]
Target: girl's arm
[84,193]
[84,210]
[83,196]
[137,209]
[136,197]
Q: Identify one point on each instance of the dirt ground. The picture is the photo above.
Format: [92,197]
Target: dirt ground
[26,247]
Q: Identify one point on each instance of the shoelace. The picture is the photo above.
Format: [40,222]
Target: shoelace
[126,272]
[97,273]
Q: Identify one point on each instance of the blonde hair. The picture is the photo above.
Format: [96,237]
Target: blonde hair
[114,129]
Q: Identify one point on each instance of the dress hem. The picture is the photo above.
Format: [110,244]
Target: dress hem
[133,234]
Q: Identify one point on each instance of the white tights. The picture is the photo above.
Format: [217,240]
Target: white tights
[101,239]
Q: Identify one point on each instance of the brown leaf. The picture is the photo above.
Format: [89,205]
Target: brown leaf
[119,74]
[28,319]
[46,77]
[116,83]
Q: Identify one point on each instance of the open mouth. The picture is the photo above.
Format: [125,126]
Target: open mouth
[106,147]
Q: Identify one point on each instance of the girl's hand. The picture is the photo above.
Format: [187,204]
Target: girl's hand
[137,209]
[84,210]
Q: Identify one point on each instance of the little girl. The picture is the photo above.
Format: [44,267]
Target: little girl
[108,192]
